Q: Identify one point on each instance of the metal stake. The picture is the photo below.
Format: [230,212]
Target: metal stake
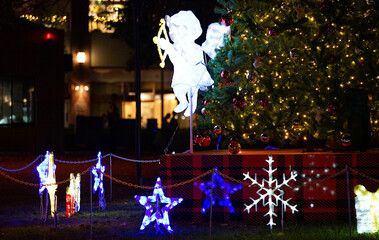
[110,172]
[348,199]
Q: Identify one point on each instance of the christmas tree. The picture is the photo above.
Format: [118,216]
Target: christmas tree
[295,73]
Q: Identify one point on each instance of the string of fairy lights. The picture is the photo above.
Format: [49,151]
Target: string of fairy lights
[323,55]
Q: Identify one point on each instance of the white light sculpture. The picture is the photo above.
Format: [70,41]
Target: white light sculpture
[270,196]
[77,193]
[367,210]
[98,173]
[190,70]
[215,38]
[46,170]
[154,202]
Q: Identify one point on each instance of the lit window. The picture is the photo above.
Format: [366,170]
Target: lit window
[17,96]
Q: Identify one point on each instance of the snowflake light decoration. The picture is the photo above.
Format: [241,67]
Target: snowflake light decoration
[155,201]
[98,173]
[223,201]
[270,188]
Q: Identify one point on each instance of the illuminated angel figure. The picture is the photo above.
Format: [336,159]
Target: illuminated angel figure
[46,170]
[98,173]
[190,71]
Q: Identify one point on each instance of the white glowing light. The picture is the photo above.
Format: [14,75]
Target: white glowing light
[46,170]
[190,72]
[152,203]
[98,173]
[367,210]
[81,57]
[77,192]
[270,188]
[215,38]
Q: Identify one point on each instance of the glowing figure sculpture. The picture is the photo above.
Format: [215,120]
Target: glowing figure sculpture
[46,170]
[226,188]
[77,193]
[98,173]
[154,202]
[190,71]
[270,188]
[73,195]
[367,210]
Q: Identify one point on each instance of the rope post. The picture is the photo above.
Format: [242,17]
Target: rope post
[110,173]
[348,199]
[191,120]
[90,189]
[210,210]
[282,216]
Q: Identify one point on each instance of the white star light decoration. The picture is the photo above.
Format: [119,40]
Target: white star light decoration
[154,202]
[270,187]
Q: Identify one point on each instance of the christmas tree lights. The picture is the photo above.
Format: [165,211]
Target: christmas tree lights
[304,72]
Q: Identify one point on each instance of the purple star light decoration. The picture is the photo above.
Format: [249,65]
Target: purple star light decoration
[226,188]
[154,202]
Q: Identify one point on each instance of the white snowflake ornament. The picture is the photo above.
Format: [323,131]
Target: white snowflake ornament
[270,192]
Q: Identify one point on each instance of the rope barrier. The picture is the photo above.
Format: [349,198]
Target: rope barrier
[37,184]
[164,187]
[20,169]
[133,160]
[364,175]
[80,162]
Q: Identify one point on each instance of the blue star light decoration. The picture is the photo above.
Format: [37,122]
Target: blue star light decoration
[154,209]
[270,192]
[223,201]
[98,173]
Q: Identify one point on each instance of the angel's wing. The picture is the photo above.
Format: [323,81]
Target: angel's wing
[214,38]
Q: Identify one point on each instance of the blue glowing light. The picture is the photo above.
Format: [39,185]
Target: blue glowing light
[226,188]
[43,172]
[154,202]
[98,173]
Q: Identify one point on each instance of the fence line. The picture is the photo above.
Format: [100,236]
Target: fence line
[187,181]
[20,169]
[37,184]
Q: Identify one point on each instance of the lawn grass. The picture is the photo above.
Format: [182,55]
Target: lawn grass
[122,219]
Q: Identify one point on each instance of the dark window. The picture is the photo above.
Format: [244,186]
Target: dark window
[16,100]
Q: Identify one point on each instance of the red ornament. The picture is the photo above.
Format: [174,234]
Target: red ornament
[234,148]
[198,139]
[225,74]
[239,102]
[325,6]
[227,19]
[332,108]
[217,130]
[296,123]
[206,141]
[204,111]
[294,54]
[264,137]
[273,32]
[263,103]
[346,140]
[330,28]
[205,102]
[231,83]
[252,76]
